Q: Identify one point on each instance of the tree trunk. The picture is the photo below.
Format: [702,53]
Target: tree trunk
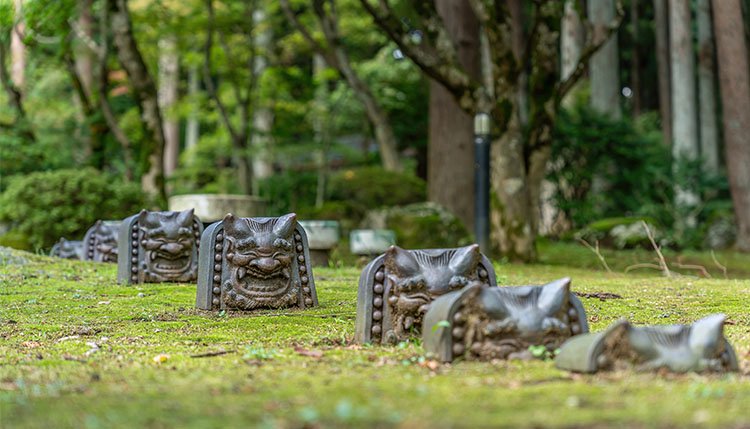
[709,131]
[685,145]
[635,62]
[735,97]
[169,81]
[378,117]
[320,120]
[18,49]
[512,214]
[83,53]
[192,129]
[144,91]
[661,27]
[260,139]
[604,70]
[571,44]
[450,153]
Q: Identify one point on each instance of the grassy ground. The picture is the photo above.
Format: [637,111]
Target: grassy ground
[78,350]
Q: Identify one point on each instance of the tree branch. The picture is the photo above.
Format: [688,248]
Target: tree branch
[210,87]
[109,116]
[450,75]
[324,51]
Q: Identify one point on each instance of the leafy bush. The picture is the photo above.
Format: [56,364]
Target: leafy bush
[366,188]
[420,225]
[607,168]
[44,206]
[290,191]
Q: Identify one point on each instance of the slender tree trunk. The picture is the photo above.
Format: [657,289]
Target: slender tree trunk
[18,49]
[102,88]
[260,138]
[604,70]
[450,153]
[661,27]
[192,129]
[571,41]
[635,63]
[734,82]
[320,120]
[169,80]
[83,53]
[145,93]
[685,145]
[709,128]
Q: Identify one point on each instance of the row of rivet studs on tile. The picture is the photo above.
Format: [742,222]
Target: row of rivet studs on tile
[377,305]
[216,291]
[302,269]
[134,255]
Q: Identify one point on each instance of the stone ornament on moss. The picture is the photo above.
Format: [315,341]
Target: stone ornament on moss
[251,263]
[398,287]
[156,247]
[67,249]
[100,242]
[700,347]
[485,323]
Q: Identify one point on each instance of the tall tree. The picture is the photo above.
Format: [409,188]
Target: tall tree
[604,69]
[20,123]
[335,54]
[145,93]
[17,48]
[192,128]
[520,152]
[709,127]
[734,82]
[450,153]
[169,80]
[260,140]
[572,38]
[661,28]
[684,113]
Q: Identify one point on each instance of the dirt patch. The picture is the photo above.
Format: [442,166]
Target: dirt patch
[602,296]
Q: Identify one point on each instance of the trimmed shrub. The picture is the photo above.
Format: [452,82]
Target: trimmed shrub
[44,206]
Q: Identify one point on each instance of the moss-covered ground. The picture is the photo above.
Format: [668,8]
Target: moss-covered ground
[78,350]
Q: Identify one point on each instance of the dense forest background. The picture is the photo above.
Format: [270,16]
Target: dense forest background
[604,113]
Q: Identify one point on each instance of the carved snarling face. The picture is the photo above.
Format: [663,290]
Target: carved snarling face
[417,277]
[68,249]
[681,348]
[168,239]
[105,243]
[259,257]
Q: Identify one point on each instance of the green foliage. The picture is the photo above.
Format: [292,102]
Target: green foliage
[45,206]
[366,188]
[290,191]
[607,168]
[420,225]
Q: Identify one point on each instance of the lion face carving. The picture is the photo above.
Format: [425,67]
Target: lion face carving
[168,240]
[259,255]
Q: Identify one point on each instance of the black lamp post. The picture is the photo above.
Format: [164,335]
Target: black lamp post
[482,142]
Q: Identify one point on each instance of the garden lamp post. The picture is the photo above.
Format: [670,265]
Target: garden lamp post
[482,142]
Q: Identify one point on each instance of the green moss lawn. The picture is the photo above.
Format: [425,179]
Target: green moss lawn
[78,350]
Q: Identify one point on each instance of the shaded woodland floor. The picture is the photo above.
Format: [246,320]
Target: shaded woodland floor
[78,350]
